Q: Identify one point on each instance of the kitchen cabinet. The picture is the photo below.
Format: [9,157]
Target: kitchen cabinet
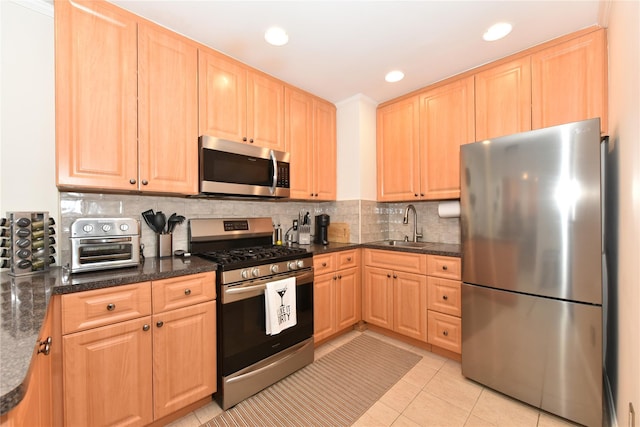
[444,302]
[36,408]
[336,293]
[503,99]
[398,150]
[569,82]
[310,135]
[238,103]
[447,121]
[395,292]
[419,141]
[135,353]
[126,95]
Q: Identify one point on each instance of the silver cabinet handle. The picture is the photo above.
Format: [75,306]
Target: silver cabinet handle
[160,324]
[132,181]
[146,328]
[145,182]
[445,333]
[444,267]
[444,297]
[187,291]
[111,307]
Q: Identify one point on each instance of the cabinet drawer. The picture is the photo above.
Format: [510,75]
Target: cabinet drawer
[444,266]
[183,291]
[400,261]
[325,263]
[91,309]
[444,295]
[444,331]
[346,259]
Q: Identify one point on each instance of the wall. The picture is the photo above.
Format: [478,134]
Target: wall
[27,110]
[622,351]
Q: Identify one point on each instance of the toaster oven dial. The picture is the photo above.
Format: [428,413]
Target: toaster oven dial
[124,227]
[87,228]
[106,228]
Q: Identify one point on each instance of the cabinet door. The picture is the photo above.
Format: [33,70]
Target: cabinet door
[410,305]
[299,142]
[107,375]
[325,151]
[348,300]
[265,111]
[36,408]
[184,357]
[222,96]
[503,99]
[397,151]
[378,297]
[447,117]
[569,82]
[167,111]
[323,306]
[96,90]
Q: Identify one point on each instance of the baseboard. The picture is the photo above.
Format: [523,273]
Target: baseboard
[610,404]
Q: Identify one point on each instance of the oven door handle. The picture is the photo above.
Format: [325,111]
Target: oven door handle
[240,292]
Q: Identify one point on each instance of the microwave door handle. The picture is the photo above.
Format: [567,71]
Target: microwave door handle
[272,156]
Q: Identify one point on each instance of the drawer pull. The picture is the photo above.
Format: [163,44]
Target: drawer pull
[335,278]
[111,307]
[339,276]
[160,324]
[395,276]
[445,333]
[187,291]
[146,328]
[388,275]
[324,264]
[349,259]
[444,267]
[47,346]
[444,297]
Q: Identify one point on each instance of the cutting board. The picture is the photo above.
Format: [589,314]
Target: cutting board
[339,232]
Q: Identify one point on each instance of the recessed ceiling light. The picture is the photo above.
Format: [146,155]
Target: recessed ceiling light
[497,31]
[276,36]
[394,76]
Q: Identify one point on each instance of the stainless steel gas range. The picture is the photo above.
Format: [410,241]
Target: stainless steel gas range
[249,359]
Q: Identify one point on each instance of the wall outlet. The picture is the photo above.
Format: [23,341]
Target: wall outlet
[632,415]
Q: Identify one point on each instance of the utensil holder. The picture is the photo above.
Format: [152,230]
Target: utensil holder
[164,246]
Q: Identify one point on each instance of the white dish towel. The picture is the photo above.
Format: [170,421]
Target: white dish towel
[280,305]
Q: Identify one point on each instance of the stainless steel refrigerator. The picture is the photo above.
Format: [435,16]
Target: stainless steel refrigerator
[532,248]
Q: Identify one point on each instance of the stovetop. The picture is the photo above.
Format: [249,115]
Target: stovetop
[247,257]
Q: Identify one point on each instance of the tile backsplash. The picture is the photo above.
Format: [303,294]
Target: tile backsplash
[368,220]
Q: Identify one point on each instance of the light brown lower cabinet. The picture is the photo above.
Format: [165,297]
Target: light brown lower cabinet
[392,298]
[131,372]
[336,293]
[35,409]
[444,314]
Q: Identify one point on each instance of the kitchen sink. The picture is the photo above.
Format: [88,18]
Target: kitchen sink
[402,243]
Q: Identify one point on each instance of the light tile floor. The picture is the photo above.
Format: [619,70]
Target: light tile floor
[433,393]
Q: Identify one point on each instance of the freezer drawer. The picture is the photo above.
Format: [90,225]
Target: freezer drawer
[542,351]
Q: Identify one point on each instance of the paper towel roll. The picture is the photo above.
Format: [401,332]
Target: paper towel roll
[449,209]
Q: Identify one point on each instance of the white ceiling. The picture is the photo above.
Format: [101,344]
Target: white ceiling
[338,49]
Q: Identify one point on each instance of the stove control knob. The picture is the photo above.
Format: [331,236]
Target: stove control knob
[245,274]
[255,272]
[274,268]
[300,263]
[292,265]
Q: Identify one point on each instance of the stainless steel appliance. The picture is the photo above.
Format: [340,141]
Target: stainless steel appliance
[28,242]
[532,251]
[235,169]
[104,243]
[249,359]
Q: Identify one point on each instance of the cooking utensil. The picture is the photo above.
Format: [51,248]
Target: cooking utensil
[160,220]
[171,222]
[175,220]
[149,218]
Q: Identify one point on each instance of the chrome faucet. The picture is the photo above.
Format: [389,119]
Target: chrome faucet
[416,235]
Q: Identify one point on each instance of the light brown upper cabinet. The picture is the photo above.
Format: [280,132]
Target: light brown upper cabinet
[569,82]
[447,119]
[398,150]
[126,99]
[239,104]
[503,99]
[310,135]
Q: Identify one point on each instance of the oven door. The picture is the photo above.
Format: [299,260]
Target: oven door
[242,337]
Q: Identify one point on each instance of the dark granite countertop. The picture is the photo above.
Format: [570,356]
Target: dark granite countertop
[25,300]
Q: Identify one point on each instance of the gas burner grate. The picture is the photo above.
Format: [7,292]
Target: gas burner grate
[233,256]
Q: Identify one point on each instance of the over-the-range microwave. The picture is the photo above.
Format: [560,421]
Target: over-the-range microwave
[234,169]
